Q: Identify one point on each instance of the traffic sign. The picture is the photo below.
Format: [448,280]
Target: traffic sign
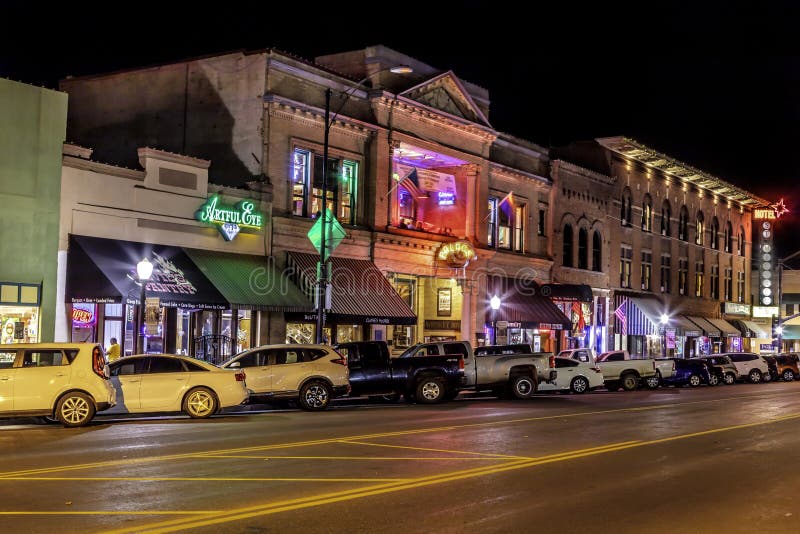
[334,234]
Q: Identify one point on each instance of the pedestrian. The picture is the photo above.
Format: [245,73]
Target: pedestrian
[112,352]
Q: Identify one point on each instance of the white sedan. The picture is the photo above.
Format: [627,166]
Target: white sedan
[574,376]
[169,383]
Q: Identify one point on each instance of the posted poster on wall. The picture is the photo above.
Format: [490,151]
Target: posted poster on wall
[151,315]
[670,334]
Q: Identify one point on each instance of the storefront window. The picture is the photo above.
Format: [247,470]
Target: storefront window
[183,334]
[348,333]
[112,323]
[305,333]
[20,324]
[84,323]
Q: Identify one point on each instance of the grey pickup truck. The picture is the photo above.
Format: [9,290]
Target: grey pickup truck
[501,369]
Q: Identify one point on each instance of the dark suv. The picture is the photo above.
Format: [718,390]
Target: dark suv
[722,367]
[692,372]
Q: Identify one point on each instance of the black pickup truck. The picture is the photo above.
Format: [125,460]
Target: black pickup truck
[425,379]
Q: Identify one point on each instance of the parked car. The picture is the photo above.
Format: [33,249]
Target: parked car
[783,366]
[426,379]
[749,366]
[67,382]
[309,374]
[692,372]
[149,383]
[665,368]
[722,367]
[581,355]
[620,370]
[496,368]
[574,375]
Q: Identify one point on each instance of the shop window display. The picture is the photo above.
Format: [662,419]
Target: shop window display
[20,324]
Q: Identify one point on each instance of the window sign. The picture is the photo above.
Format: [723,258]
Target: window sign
[230,219]
[444,302]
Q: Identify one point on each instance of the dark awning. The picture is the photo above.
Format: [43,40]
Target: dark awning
[708,328]
[360,293]
[567,292]
[521,302]
[250,282]
[104,270]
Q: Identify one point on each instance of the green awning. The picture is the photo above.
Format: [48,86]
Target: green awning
[250,282]
[791,332]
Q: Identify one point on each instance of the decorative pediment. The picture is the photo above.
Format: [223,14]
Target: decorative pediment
[446,93]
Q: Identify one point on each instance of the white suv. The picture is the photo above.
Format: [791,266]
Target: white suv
[750,366]
[66,381]
[310,374]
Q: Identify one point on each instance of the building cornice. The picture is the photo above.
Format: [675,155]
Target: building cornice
[583,172]
[633,150]
[163,155]
[509,141]
[438,118]
[288,109]
[518,175]
[103,168]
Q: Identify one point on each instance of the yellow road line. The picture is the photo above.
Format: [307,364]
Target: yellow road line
[206,479]
[119,512]
[427,449]
[323,499]
[328,441]
[396,458]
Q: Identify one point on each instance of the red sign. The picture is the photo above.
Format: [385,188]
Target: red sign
[82,315]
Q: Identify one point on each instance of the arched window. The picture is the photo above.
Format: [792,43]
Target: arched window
[714,233]
[567,259]
[583,248]
[666,214]
[683,224]
[597,251]
[647,213]
[626,214]
[699,236]
[728,237]
[741,241]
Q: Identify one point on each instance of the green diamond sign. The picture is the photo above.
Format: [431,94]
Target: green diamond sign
[335,234]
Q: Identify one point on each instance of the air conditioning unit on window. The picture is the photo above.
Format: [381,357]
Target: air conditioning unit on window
[624,222]
[663,289]
[681,291]
[663,231]
[643,286]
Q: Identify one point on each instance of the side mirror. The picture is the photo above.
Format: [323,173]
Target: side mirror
[235,365]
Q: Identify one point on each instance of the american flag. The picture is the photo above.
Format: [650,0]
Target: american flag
[620,313]
[411,184]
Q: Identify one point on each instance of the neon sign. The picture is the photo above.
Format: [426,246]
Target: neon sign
[83,315]
[773,212]
[230,219]
[446,198]
[456,255]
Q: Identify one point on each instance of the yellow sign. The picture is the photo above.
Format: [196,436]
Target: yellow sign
[456,255]
[764,213]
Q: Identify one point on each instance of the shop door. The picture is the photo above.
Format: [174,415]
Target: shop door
[43,375]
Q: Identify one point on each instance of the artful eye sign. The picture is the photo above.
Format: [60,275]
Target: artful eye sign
[230,219]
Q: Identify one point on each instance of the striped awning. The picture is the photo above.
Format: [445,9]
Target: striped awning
[643,316]
[522,303]
[360,293]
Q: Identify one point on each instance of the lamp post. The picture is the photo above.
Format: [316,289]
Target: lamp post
[322,282]
[664,323]
[144,269]
[495,303]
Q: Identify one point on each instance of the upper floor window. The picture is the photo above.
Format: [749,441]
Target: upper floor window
[597,251]
[647,214]
[583,248]
[741,241]
[625,260]
[567,246]
[683,275]
[699,278]
[715,282]
[626,213]
[728,237]
[728,286]
[540,226]
[666,271]
[507,224]
[683,224]
[647,269]
[666,214]
[307,171]
[714,233]
[699,237]
[740,286]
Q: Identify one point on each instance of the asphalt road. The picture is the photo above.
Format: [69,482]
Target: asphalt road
[721,459]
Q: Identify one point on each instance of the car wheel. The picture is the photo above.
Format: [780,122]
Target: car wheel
[788,375]
[754,376]
[729,379]
[579,385]
[75,409]
[430,390]
[713,380]
[200,403]
[523,387]
[630,382]
[652,382]
[767,377]
[612,385]
[315,396]
[694,381]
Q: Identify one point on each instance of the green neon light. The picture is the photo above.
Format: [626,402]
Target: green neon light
[243,213]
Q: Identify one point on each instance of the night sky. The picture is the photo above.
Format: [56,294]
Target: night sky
[715,86]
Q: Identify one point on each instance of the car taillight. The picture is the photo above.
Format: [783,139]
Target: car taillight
[461,363]
[341,360]
[99,363]
[240,376]
[552,362]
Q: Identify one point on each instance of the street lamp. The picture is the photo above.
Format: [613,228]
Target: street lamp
[144,269]
[494,302]
[664,323]
[322,283]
